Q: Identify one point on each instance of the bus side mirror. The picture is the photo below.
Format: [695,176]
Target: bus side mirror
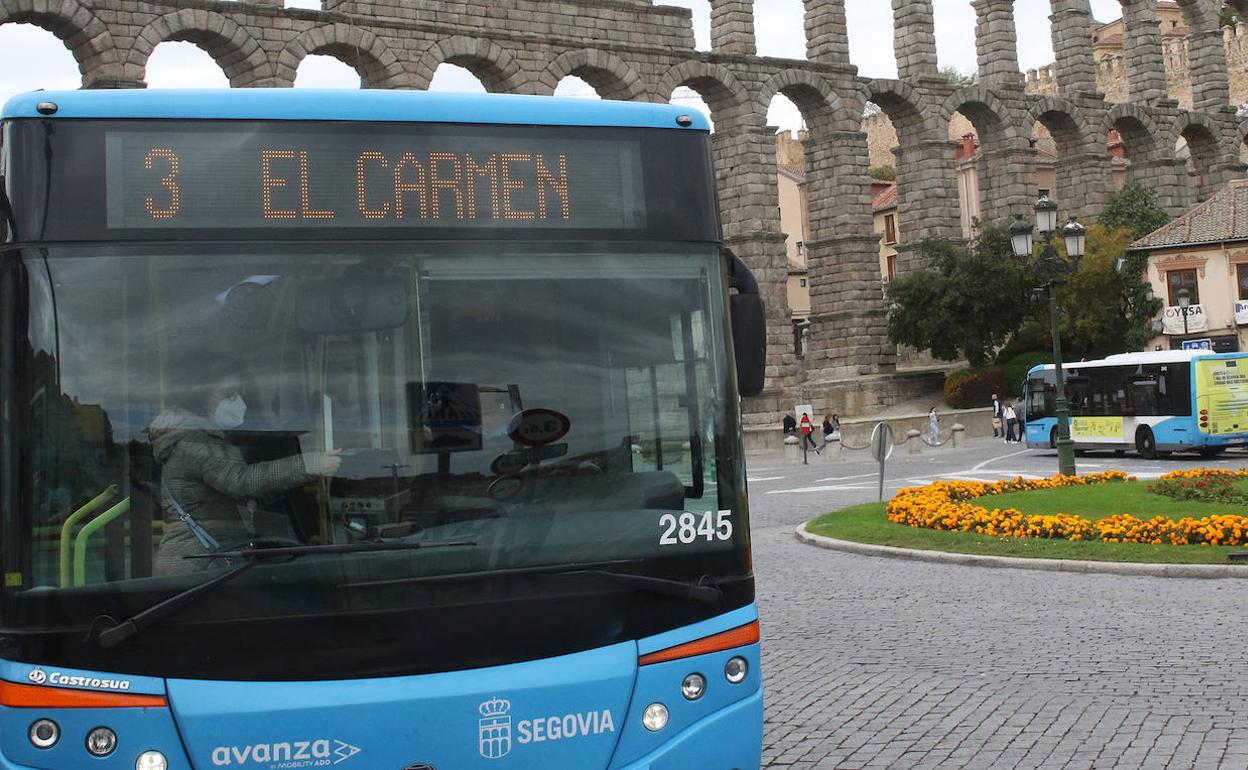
[749,327]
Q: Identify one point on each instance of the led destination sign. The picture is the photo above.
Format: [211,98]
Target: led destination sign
[438,178]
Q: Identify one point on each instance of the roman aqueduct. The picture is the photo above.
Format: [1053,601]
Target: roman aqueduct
[636,50]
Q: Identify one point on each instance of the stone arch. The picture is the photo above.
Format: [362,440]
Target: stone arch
[904,106]
[1071,131]
[87,38]
[493,65]
[811,93]
[611,77]
[1006,159]
[716,84]
[1205,148]
[231,46]
[990,116]
[1138,131]
[356,47]
[1081,166]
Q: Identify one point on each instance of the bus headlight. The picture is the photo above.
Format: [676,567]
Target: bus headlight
[693,686]
[151,760]
[655,717]
[101,741]
[44,733]
[736,669]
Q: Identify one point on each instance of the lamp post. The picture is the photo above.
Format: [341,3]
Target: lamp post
[1184,296]
[1055,269]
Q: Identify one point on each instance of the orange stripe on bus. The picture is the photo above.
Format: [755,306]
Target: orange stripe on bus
[737,637]
[29,696]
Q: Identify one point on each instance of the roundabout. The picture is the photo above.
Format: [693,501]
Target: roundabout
[1185,517]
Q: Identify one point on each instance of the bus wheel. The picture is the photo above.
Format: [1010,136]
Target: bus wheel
[1119,452]
[1146,444]
[1211,451]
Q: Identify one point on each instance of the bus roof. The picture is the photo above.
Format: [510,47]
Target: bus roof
[350,104]
[1135,359]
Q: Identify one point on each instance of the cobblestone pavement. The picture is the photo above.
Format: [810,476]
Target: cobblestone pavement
[873,662]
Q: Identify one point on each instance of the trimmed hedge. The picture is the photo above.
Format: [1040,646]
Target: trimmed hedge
[971,388]
[1017,367]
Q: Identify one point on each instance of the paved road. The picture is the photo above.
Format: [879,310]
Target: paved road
[884,663]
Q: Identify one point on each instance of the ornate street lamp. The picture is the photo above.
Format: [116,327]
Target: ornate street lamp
[1184,296]
[1055,269]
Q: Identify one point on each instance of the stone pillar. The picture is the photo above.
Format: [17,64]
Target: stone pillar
[1006,183]
[1082,184]
[1146,64]
[1211,86]
[745,160]
[732,27]
[1071,25]
[914,38]
[997,43]
[827,32]
[849,325]
[927,198]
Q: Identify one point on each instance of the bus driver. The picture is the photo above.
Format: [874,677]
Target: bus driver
[207,488]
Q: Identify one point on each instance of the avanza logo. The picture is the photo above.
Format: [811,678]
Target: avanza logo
[321,752]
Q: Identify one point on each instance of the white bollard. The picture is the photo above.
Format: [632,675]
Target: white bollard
[791,451]
[915,440]
[958,434]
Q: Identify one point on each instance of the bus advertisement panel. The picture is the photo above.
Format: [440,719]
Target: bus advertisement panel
[1222,395]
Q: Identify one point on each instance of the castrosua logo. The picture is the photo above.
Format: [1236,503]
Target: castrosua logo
[57,679]
[320,752]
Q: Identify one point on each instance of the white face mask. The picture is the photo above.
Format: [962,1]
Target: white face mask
[229,413]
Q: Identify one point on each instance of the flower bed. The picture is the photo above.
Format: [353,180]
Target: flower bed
[945,505]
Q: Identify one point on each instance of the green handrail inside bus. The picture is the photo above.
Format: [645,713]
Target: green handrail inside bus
[84,535]
[75,517]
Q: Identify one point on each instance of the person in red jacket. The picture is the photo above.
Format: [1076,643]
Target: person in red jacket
[807,428]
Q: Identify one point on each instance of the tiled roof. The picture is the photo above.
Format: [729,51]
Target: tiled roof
[1224,217]
[885,199]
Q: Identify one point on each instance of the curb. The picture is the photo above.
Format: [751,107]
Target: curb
[1200,571]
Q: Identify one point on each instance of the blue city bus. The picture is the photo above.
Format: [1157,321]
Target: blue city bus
[1154,403]
[373,430]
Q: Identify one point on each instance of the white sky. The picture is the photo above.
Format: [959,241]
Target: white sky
[31,58]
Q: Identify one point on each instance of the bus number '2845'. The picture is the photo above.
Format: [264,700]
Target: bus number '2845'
[710,526]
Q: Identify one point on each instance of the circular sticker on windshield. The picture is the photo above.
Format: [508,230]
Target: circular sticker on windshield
[506,487]
[537,427]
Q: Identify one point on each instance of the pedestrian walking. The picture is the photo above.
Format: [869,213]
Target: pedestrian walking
[1011,419]
[808,428]
[933,422]
[998,428]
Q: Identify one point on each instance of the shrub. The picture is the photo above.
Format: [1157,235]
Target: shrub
[1017,367]
[971,388]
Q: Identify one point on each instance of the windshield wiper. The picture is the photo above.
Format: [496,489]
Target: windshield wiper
[702,590]
[111,637]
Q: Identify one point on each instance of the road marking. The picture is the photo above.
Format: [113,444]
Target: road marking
[755,479]
[830,488]
[980,467]
[847,478]
[920,482]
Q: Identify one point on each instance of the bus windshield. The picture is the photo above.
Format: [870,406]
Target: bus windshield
[519,406]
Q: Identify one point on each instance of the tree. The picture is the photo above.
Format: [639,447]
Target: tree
[1135,208]
[956,77]
[883,173]
[1229,17]
[966,304]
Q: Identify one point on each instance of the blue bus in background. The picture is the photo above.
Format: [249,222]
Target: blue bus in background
[1154,403]
[375,430]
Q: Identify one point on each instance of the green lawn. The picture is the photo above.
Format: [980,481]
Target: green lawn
[1096,501]
[867,524]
